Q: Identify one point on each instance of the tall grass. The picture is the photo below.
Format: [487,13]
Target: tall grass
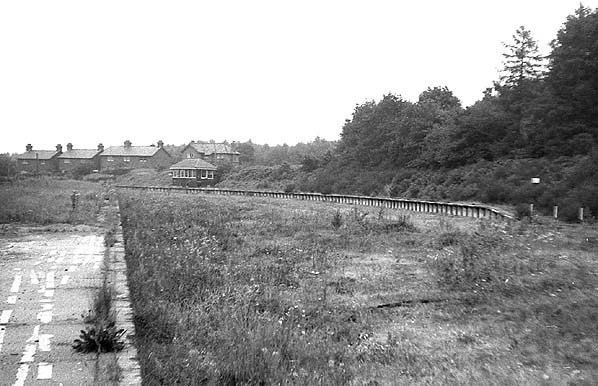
[234,290]
[47,200]
[230,308]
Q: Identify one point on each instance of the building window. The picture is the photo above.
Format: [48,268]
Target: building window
[210,174]
[24,163]
[67,161]
[110,159]
[143,160]
[204,174]
[127,159]
[190,155]
[43,163]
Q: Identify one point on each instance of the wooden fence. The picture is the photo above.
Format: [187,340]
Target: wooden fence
[445,208]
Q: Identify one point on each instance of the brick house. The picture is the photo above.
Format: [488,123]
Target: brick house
[192,172]
[38,161]
[215,153]
[135,157]
[72,159]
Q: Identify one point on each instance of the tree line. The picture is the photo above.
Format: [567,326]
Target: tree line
[538,119]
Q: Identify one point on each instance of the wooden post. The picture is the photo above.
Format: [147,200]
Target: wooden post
[555,212]
[581,214]
[531,210]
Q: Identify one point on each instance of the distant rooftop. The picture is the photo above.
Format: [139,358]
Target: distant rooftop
[193,163]
[139,151]
[213,148]
[79,153]
[41,154]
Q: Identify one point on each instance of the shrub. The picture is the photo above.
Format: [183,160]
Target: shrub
[523,211]
[82,170]
[337,219]
[289,188]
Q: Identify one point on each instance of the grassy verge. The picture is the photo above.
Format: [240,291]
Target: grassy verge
[47,200]
[233,290]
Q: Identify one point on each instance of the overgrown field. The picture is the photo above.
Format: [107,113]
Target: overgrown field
[233,290]
[47,200]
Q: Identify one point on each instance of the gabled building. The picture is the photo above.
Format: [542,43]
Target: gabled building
[38,161]
[72,158]
[192,172]
[215,153]
[135,157]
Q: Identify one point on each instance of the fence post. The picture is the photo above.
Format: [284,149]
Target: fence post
[555,212]
[581,214]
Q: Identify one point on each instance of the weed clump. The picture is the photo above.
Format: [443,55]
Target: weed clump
[100,338]
[103,336]
[469,262]
[337,219]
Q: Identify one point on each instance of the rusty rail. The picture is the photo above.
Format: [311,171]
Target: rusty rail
[446,208]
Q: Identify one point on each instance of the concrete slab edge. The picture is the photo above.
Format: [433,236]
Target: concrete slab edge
[117,270]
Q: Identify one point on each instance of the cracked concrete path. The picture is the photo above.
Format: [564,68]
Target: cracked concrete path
[47,282]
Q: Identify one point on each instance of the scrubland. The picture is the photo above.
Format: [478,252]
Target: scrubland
[235,290]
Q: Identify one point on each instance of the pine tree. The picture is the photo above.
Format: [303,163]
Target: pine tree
[522,60]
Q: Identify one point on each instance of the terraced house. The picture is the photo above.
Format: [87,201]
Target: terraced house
[72,158]
[38,161]
[135,157]
[215,153]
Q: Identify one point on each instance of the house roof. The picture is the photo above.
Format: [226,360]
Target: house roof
[79,153]
[138,151]
[41,154]
[193,163]
[212,148]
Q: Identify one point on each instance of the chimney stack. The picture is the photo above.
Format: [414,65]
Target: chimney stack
[59,148]
[100,147]
[69,146]
[29,147]
[160,143]
[127,143]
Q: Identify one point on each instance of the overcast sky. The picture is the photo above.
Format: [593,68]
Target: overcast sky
[270,71]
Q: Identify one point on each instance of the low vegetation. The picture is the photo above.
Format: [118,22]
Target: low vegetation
[48,200]
[101,335]
[233,290]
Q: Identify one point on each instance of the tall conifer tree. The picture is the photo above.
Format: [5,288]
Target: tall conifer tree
[522,60]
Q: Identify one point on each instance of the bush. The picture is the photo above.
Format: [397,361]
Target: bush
[82,170]
[337,220]
[522,211]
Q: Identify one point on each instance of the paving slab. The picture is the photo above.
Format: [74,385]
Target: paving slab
[47,282]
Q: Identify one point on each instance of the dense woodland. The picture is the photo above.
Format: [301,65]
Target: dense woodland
[539,119]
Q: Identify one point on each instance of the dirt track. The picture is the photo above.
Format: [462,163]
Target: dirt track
[47,281]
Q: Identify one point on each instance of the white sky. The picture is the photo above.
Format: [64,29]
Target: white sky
[270,71]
